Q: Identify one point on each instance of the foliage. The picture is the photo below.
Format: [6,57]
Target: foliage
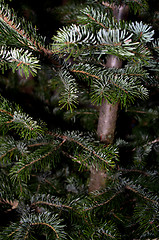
[94,38]
[44,169]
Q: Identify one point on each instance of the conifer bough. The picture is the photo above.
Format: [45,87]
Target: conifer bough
[99,36]
[103,59]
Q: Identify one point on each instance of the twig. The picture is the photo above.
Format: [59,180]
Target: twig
[8,152]
[51,204]
[103,203]
[48,225]
[133,170]
[135,191]
[149,143]
[80,144]
[36,160]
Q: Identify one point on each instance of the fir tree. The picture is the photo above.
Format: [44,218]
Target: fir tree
[102,65]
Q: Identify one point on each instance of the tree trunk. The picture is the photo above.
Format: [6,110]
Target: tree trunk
[108,112]
[107,122]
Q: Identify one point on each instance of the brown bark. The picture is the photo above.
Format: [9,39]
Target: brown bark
[97,179]
[108,112]
[107,122]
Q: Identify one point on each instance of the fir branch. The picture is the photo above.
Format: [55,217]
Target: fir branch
[90,15]
[130,70]
[13,204]
[37,144]
[75,159]
[97,18]
[144,146]
[50,201]
[29,223]
[22,169]
[104,80]
[13,233]
[48,182]
[51,204]
[141,194]
[68,92]
[2,110]
[154,141]
[22,32]
[142,31]
[135,5]
[18,59]
[101,158]
[85,73]
[46,224]
[98,154]
[146,215]
[33,162]
[103,203]
[18,33]
[21,122]
[109,230]
[9,151]
[96,77]
[73,40]
[97,37]
[108,235]
[133,171]
[8,113]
